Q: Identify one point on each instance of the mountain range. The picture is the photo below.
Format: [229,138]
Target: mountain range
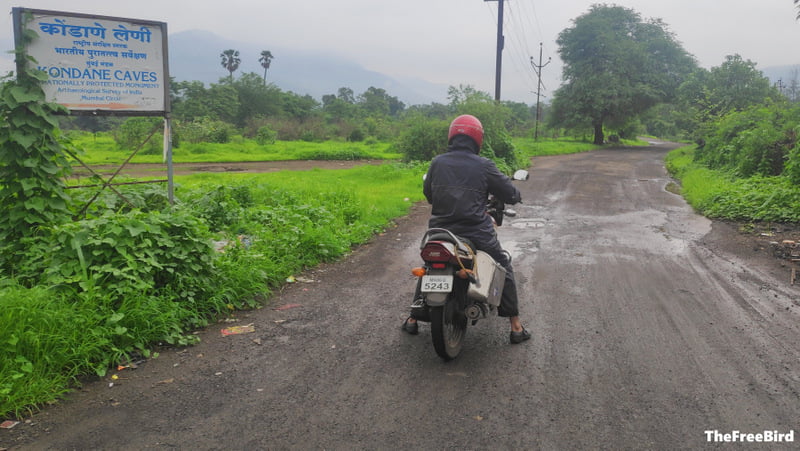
[782,74]
[195,56]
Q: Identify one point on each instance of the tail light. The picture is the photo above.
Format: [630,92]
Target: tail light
[419,272]
[438,251]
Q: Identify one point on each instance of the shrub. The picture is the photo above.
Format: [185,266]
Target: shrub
[132,134]
[133,253]
[423,140]
[717,194]
[222,206]
[756,141]
[205,130]
[357,135]
[266,135]
[792,169]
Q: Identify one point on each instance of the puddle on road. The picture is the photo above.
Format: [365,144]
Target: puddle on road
[528,223]
[518,249]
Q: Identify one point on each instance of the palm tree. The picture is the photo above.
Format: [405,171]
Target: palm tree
[230,60]
[266,58]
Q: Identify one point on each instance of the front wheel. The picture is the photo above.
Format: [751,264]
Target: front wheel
[448,329]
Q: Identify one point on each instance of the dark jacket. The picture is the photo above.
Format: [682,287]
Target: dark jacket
[458,184]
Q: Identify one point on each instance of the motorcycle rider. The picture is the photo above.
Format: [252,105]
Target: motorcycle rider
[457,186]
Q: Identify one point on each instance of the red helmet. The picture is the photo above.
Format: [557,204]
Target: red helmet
[466,125]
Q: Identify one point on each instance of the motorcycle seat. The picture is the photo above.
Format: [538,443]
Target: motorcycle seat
[463,244]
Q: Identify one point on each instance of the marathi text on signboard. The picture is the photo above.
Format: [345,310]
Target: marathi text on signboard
[98,63]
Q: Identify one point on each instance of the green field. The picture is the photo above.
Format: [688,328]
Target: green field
[102,149]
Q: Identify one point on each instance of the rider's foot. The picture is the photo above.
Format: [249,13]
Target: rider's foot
[410,326]
[519,337]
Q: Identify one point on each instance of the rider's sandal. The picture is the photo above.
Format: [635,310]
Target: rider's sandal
[519,337]
[411,328]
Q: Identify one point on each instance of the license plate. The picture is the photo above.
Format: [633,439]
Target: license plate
[437,284]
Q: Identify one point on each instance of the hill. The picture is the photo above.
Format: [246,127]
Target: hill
[782,74]
[195,55]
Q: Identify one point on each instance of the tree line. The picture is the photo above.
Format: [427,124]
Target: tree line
[622,76]
[625,76]
[248,106]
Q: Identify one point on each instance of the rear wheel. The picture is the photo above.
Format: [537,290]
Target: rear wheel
[448,329]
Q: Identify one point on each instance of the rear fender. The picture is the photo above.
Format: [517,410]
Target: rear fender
[436,299]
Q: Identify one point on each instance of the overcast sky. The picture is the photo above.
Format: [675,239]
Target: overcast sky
[453,41]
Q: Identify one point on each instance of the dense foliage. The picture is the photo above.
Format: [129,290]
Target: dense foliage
[718,194]
[758,140]
[616,67]
[32,163]
[90,293]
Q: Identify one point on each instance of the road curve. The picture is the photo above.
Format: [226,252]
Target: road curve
[645,337]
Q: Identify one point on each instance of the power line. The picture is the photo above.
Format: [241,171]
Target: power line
[500,45]
[519,47]
[513,21]
[538,69]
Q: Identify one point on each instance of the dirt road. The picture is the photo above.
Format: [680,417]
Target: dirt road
[160,170]
[651,324]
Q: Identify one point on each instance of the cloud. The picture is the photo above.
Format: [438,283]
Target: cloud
[453,41]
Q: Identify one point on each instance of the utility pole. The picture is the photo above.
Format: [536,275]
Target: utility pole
[538,69]
[500,45]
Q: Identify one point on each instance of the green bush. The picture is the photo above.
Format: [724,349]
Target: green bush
[132,134]
[719,194]
[307,136]
[499,147]
[357,135]
[205,130]
[424,139]
[756,141]
[221,207]
[121,255]
[792,168]
[266,135]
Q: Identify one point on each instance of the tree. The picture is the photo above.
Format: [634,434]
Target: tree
[347,95]
[616,67]
[265,60]
[256,99]
[230,61]
[462,93]
[734,85]
[191,101]
[377,102]
[299,107]
[708,95]
[338,109]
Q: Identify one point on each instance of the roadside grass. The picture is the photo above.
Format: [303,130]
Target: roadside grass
[94,293]
[561,146]
[45,345]
[548,146]
[721,195]
[97,295]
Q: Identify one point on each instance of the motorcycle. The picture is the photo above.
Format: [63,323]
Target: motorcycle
[456,283]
